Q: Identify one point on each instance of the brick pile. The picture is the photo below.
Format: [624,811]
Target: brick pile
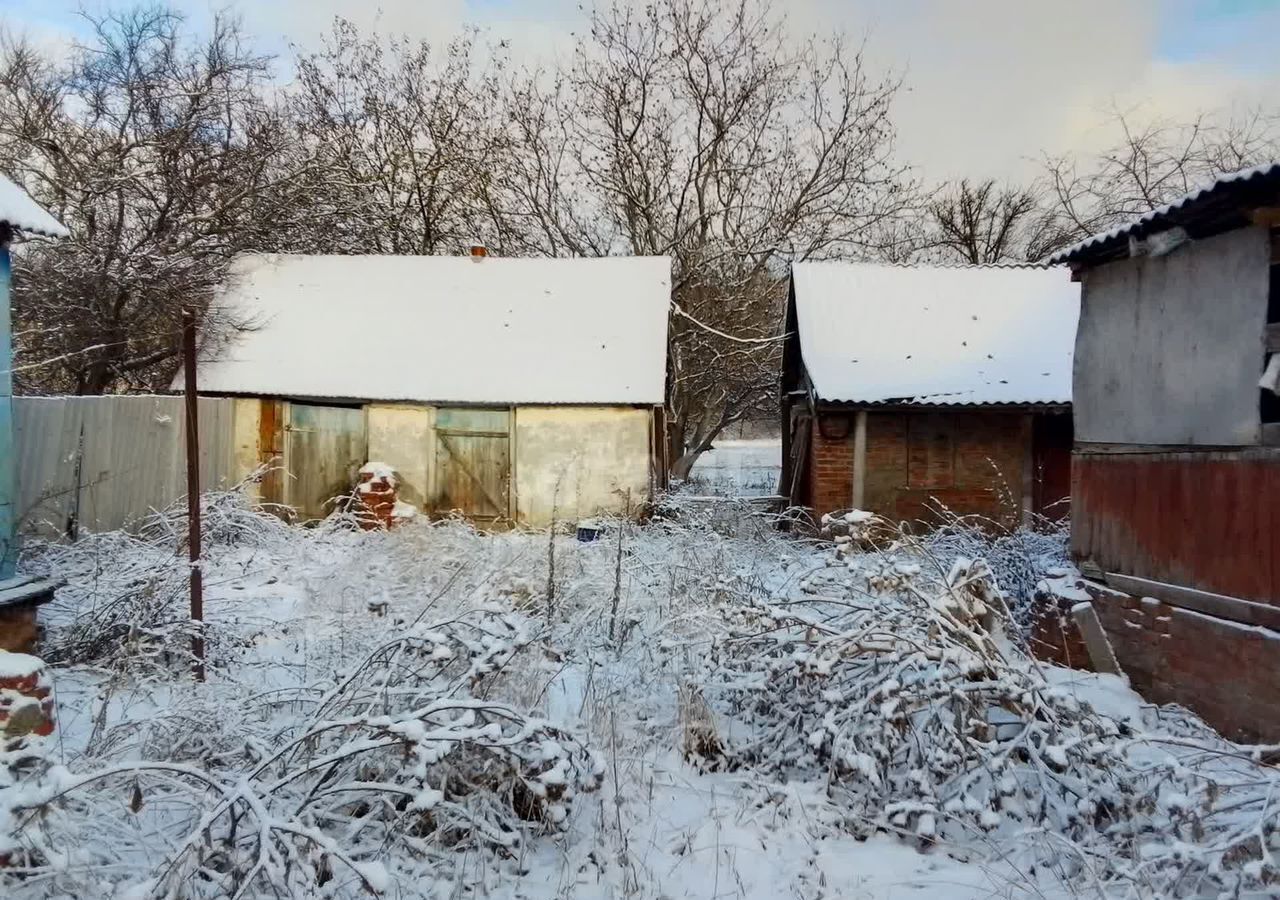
[26,700]
[376,493]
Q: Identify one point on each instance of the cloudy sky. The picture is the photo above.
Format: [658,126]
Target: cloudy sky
[990,85]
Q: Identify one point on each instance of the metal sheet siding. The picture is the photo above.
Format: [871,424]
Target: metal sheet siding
[1206,520]
[1170,348]
[109,461]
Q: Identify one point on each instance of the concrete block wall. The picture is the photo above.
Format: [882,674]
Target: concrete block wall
[1226,672]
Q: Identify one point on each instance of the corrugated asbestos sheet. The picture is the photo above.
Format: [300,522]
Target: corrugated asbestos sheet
[1208,521]
[936,335]
[488,331]
[1185,211]
[106,462]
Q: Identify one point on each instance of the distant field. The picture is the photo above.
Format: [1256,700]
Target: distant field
[739,468]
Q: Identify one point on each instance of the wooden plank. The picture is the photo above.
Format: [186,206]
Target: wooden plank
[1218,605]
[1266,216]
[1095,639]
[1027,435]
[799,459]
[474,474]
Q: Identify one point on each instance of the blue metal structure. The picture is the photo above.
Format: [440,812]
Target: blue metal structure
[18,213]
[8,486]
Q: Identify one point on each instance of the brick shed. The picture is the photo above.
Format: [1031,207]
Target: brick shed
[909,388]
[1176,471]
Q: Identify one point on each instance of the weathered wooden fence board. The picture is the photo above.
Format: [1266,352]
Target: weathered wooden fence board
[325,446]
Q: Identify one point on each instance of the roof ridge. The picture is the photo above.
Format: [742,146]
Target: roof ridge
[1261,170]
[896,264]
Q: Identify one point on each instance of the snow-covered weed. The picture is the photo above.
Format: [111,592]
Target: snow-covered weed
[887,681]
[429,711]
[403,761]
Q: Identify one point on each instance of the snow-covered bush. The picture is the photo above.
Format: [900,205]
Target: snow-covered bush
[343,744]
[403,761]
[889,682]
[125,605]
[1019,557]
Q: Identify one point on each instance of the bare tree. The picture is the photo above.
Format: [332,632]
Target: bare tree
[397,144]
[986,222]
[1151,165]
[700,130]
[153,149]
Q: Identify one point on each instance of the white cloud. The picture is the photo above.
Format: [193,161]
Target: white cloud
[990,84]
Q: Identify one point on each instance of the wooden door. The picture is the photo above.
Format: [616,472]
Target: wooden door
[473,463]
[325,447]
[1051,458]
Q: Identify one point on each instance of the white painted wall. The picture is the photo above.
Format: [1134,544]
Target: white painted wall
[404,438]
[580,461]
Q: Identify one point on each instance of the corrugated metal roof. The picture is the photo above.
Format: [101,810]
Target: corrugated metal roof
[447,329]
[936,335]
[21,212]
[1185,204]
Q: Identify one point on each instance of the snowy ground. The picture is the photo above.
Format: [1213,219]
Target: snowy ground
[739,468]
[712,712]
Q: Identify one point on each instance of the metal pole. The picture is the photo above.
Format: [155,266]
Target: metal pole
[193,489]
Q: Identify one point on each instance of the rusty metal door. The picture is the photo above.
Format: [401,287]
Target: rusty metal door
[473,463]
[325,447]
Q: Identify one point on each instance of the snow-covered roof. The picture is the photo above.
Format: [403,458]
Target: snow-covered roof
[872,333]
[21,212]
[447,329]
[1186,203]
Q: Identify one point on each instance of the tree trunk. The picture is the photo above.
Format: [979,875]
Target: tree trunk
[683,464]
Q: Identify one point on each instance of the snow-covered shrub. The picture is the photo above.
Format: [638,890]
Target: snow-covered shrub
[402,761]
[1018,557]
[889,682]
[125,604]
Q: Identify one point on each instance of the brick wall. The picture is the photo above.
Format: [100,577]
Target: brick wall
[831,463]
[1056,639]
[1226,672]
[958,458]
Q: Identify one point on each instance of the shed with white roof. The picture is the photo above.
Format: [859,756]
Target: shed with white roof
[1177,453]
[907,389]
[507,390]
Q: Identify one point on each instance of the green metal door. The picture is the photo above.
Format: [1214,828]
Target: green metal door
[325,447]
[473,463]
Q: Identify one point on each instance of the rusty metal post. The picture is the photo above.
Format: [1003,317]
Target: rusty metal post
[193,490]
